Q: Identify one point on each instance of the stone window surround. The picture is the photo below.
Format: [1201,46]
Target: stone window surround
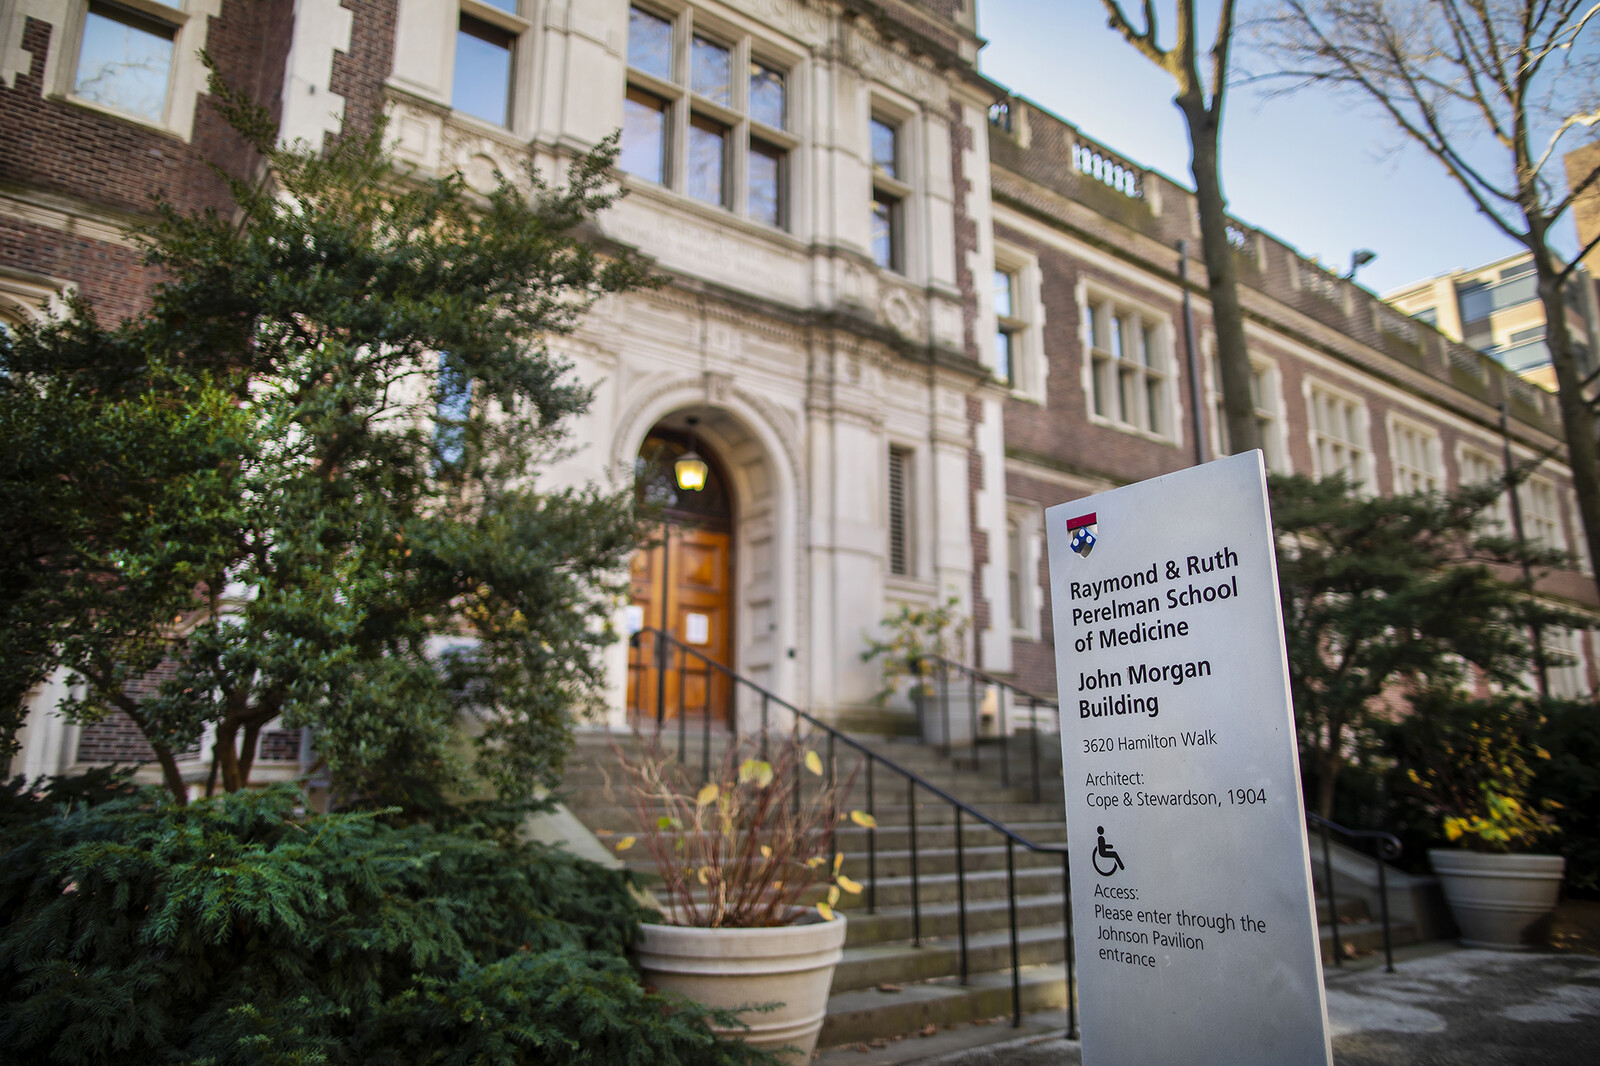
[1470,457]
[1432,474]
[1029,367]
[1090,296]
[1028,520]
[516,26]
[687,21]
[903,188]
[190,20]
[1361,446]
[1269,407]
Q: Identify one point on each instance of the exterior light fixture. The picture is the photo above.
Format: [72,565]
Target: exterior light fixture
[690,470]
[1359,259]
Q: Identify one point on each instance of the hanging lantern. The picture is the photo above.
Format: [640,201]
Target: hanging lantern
[691,471]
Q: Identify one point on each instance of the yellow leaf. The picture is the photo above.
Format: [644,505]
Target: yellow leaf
[826,912]
[838,861]
[815,861]
[766,852]
[833,896]
[703,874]
[757,771]
[777,886]
[625,843]
[852,887]
[863,819]
[707,795]
[813,763]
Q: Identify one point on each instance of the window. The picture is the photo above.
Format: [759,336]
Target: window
[1338,434]
[1130,369]
[136,58]
[1266,396]
[1564,667]
[1476,467]
[487,43]
[692,123]
[125,61]
[889,194]
[899,512]
[1541,513]
[1023,527]
[451,411]
[1019,359]
[1415,451]
[1006,323]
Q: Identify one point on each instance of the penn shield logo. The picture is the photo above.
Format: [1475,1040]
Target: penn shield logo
[1083,529]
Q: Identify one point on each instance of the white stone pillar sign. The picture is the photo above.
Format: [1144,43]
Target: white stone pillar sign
[1191,881]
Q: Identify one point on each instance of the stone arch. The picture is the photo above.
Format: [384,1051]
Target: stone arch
[758,448]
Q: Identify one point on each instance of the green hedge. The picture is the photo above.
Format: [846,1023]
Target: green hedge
[241,930]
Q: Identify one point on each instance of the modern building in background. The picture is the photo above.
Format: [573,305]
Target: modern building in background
[1495,308]
[903,313]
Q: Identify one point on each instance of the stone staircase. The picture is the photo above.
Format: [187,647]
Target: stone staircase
[888,984]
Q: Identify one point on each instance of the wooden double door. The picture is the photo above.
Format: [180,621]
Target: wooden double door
[689,573]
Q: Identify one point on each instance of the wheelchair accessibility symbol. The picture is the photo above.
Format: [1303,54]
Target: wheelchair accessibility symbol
[1103,851]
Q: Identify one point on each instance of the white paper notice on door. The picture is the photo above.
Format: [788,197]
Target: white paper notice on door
[633,619]
[697,628]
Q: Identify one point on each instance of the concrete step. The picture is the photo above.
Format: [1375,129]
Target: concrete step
[941,920]
[870,965]
[865,1014]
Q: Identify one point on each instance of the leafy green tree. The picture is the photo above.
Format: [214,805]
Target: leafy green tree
[1389,596]
[306,477]
[238,932]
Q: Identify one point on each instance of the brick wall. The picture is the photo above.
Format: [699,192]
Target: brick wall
[358,75]
[79,160]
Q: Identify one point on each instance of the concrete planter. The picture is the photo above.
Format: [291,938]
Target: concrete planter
[1496,898]
[791,964]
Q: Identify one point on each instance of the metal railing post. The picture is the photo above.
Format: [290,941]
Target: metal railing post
[1016,962]
[972,714]
[1066,913]
[961,896]
[916,903]
[872,846]
[1333,902]
[1383,906]
[1033,717]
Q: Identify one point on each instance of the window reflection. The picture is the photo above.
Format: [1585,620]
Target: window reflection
[125,62]
[650,43]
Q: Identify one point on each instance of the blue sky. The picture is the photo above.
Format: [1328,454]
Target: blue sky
[1326,175]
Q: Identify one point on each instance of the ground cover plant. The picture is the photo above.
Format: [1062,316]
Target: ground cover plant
[242,930]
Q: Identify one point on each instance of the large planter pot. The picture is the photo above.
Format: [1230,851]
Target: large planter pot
[791,964]
[1496,898]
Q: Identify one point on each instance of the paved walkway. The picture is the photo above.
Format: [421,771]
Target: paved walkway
[1445,1006]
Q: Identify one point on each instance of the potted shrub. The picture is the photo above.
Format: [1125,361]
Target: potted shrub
[750,883]
[914,637]
[1470,765]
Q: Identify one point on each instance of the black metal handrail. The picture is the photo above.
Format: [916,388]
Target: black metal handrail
[659,660]
[1387,846]
[975,678]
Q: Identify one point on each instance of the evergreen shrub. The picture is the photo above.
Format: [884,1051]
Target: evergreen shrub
[242,930]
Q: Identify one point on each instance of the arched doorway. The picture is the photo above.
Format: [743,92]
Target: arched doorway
[683,584]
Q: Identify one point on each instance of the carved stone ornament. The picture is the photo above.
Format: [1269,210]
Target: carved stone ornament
[879,62]
[797,18]
[900,314]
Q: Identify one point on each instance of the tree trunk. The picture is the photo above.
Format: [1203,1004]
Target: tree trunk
[1582,455]
[169,773]
[1227,317]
